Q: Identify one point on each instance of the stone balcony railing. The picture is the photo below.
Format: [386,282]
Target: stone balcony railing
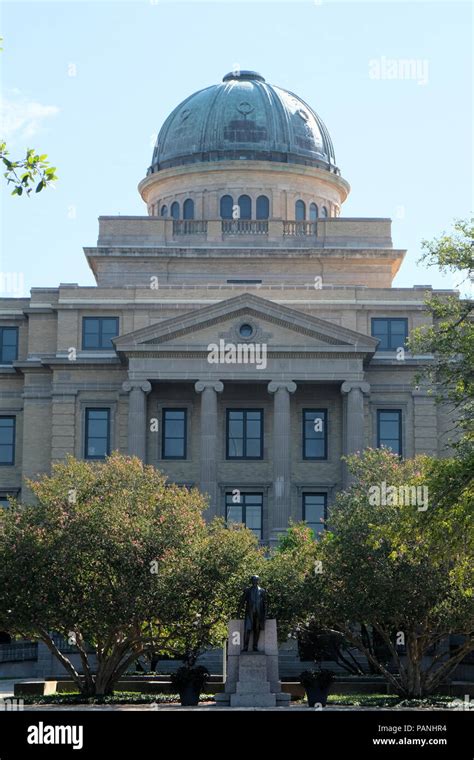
[125,231]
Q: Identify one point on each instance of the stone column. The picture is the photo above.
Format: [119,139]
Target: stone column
[354,427]
[208,444]
[281,457]
[137,421]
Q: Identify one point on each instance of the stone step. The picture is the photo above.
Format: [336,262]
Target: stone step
[253,687]
[252,700]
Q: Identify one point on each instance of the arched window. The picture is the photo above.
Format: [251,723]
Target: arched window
[263,207]
[313,212]
[226,206]
[300,211]
[245,204]
[324,212]
[175,210]
[164,211]
[188,209]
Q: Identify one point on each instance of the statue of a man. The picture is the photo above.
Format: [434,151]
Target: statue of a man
[255,600]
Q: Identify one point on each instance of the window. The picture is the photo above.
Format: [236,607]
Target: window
[97,434]
[227,203]
[263,207]
[4,503]
[8,344]
[313,212]
[248,510]
[315,511]
[391,332]
[315,437]
[244,434]
[164,211]
[324,212]
[7,440]
[173,440]
[97,332]
[175,210]
[188,209]
[245,205]
[246,330]
[389,429]
[300,211]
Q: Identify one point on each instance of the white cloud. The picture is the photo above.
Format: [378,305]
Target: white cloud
[20,118]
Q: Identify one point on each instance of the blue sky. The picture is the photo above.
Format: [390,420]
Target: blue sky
[91,83]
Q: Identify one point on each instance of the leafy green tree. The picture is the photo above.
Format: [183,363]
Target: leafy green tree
[24,173]
[450,339]
[94,560]
[207,587]
[399,570]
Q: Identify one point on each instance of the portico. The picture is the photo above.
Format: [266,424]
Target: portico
[310,363]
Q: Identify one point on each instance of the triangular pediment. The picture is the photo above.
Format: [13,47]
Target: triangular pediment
[277,325]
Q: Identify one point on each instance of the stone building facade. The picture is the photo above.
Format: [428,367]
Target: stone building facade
[241,337]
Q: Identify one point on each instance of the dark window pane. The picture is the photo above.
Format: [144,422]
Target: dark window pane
[300,211]
[263,207]
[8,344]
[174,447]
[389,430]
[253,429]
[226,207]
[313,212]
[164,211]
[234,513]
[253,447]
[6,454]
[392,333]
[236,447]
[245,205]
[97,433]
[188,209]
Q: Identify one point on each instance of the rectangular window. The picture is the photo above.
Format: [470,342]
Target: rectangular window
[173,440]
[97,333]
[315,511]
[97,434]
[8,344]
[247,510]
[315,437]
[7,440]
[4,503]
[244,434]
[392,332]
[389,429]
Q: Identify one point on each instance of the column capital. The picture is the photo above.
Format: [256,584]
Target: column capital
[143,385]
[350,385]
[215,385]
[276,385]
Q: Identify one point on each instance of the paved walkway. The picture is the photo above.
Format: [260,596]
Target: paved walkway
[210,707]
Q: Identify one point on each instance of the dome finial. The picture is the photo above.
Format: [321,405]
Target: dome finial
[243,74]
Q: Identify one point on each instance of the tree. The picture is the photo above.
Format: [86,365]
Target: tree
[23,173]
[451,337]
[207,587]
[94,560]
[400,570]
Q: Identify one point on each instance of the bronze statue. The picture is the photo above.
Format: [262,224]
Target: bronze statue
[255,600]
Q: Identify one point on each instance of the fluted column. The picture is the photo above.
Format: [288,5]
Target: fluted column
[137,422]
[208,448]
[281,457]
[354,427]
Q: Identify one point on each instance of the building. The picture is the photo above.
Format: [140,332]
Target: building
[242,336]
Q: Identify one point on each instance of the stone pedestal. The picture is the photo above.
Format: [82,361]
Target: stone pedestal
[252,677]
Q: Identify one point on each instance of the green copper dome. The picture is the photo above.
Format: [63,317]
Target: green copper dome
[243,118]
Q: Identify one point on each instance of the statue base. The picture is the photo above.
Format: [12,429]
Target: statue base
[252,677]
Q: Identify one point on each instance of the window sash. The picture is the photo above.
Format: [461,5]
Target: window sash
[249,509]
[7,445]
[98,438]
[167,418]
[310,436]
[394,416]
[392,332]
[241,444]
[102,329]
[314,503]
[8,344]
